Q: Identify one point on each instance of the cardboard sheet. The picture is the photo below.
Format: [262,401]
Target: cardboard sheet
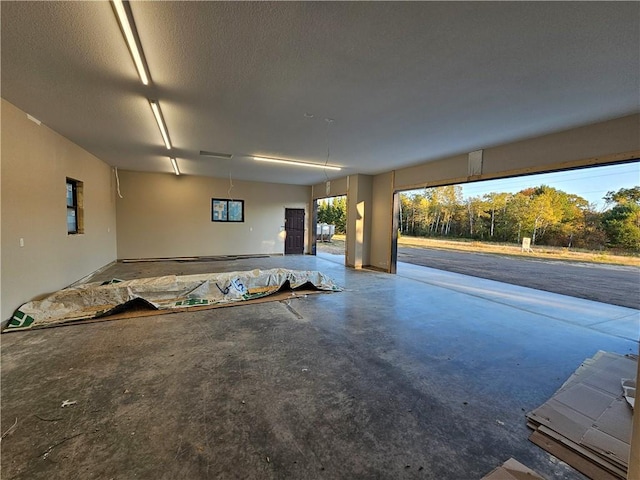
[170,293]
[629,389]
[588,420]
[512,470]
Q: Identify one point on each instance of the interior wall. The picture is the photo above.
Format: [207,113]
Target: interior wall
[35,164]
[164,215]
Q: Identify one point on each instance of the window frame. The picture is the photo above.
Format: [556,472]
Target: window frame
[221,211]
[74,204]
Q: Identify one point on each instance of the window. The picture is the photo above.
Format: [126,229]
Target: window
[223,210]
[75,223]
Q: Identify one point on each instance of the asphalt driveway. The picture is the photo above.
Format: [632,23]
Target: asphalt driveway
[612,284]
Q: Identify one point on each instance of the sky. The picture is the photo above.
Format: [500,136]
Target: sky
[590,183]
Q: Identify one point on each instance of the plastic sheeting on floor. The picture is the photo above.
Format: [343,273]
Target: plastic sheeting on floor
[169,292]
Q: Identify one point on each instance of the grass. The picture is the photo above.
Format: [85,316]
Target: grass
[337,246]
[542,252]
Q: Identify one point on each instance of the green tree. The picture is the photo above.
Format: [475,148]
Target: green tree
[476,212]
[417,214]
[516,216]
[564,216]
[622,222]
[496,208]
[548,215]
[444,203]
[334,212]
[624,196]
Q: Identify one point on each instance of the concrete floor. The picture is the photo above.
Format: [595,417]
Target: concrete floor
[425,374]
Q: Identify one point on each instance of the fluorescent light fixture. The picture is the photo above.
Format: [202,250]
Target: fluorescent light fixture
[204,153]
[155,107]
[34,120]
[175,166]
[128,28]
[296,163]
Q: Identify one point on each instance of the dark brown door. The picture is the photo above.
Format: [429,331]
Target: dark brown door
[294,227]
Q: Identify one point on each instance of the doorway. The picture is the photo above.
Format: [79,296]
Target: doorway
[331,225]
[294,228]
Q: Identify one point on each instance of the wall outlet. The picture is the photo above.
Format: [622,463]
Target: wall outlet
[22,242]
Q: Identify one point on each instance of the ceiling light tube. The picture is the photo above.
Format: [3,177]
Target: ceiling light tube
[130,35]
[155,107]
[294,162]
[175,166]
[204,153]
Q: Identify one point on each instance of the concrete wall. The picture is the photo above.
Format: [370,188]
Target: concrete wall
[35,164]
[164,215]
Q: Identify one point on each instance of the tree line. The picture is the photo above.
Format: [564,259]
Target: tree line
[334,212]
[544,214]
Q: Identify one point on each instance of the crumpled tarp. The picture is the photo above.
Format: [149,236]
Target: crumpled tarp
[97,299]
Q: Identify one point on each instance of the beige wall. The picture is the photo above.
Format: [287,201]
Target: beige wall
[359,215]
[590,145]
[164,215]
[35,164]
[337,188]
[597,144]
[381,221]
[440,172]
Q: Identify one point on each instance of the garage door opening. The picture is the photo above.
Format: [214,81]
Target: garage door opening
[331,233]
[517,230]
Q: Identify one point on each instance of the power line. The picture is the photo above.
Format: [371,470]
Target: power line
[552,179]
[530,179]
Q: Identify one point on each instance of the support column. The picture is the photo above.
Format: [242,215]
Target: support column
[359,218]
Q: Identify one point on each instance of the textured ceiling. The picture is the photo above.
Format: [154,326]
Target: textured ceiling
[404,82]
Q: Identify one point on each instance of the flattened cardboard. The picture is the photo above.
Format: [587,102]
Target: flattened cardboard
[585,399]
[512,470]
[616,420]
[629,388]
[588,420]
[583,452]
[570,457]
[610,447]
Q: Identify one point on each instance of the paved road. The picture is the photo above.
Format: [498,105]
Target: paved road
[616,285]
